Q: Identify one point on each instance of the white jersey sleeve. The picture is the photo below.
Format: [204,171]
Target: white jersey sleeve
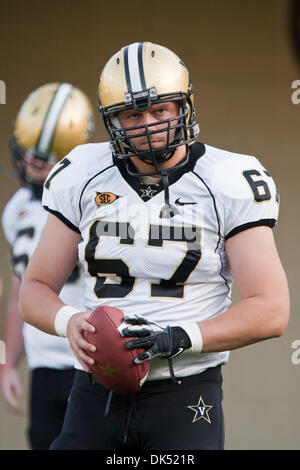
[12,211]
[246,194]
[60,194]
[66,182]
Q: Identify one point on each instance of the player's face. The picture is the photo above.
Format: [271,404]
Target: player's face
[152,118]
[37,169]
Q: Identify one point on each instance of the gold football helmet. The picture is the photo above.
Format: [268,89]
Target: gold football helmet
[139,75]
[52,120]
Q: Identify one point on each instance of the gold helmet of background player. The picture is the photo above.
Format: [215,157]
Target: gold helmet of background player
[137,76]
[52,120]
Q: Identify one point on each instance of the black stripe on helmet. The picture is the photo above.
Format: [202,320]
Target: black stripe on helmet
[141,66]
[126,67]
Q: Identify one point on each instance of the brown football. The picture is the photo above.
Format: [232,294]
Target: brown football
[114,367]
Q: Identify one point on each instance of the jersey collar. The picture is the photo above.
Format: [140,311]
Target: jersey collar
[148,191]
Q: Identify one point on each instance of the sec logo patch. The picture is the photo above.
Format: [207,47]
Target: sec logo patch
[103,199]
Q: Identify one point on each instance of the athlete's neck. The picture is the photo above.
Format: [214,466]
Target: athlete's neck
[143,167]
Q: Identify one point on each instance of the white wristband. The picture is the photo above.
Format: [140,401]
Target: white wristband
[61,319]
[195,335]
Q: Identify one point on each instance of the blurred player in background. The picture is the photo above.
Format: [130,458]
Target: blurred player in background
[52,120]
[164,223]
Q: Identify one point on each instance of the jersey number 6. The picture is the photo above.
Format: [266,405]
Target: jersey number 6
[259,187]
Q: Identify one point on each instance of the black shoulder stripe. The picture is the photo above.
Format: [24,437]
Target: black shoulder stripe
[219,228]
[88,182]
[63,219]
[215,206]
[258,223]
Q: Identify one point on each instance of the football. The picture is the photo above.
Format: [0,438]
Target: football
[114,367]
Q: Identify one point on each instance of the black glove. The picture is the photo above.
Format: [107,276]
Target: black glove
[165,342]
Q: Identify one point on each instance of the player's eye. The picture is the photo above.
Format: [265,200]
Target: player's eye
[160,112]
[133,116]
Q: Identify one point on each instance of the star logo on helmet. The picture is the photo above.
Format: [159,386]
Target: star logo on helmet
[148,192]
[201,411]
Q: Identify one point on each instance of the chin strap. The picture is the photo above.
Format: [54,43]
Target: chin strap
[172,375]
[167,211]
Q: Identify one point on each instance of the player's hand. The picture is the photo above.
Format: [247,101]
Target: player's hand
[11,388]
[76,326]
[165,342]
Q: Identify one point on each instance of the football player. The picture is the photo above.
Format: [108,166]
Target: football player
[164,223]
[52,120]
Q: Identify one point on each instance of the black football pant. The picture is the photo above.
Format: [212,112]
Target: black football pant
[50,390]
[163,416]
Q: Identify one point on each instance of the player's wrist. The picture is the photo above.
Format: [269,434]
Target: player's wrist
[195,335]
[7,365]
[62,318]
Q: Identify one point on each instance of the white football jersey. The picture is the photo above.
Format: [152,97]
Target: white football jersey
[166,270]
[23,222]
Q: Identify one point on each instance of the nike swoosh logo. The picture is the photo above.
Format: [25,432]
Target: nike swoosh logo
[179,203]
[178,352]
